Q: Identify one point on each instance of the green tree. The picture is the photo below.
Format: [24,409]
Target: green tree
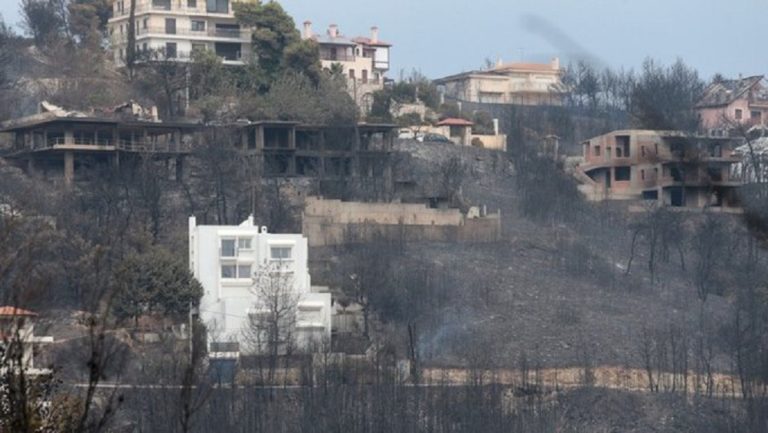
[154,282]
[273,32]
[303,57]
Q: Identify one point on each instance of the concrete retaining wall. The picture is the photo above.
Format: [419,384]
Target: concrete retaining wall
[333,222]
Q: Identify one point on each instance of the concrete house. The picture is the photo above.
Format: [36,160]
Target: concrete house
[508,83]
[178,27]
[17,329]
[364,61]
[228,261]
[669,167]
[728,103]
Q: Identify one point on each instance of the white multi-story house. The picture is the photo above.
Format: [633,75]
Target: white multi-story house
[363,60]
[175,28]
[245,271]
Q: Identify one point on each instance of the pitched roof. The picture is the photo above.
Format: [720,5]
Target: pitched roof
[329,40]
[367,41]
[726,91]
[452,121]
[9,311]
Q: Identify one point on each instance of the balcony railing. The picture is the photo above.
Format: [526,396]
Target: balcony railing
[139,146]
[211,32]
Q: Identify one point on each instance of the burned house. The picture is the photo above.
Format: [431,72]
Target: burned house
[669,167]
[335,156]
[57,146]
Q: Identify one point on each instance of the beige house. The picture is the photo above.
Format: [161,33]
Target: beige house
[363,60]
[175,28]
[728,103]
[508,83]
[17,332]
[668,167]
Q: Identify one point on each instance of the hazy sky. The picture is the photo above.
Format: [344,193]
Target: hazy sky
[442,37]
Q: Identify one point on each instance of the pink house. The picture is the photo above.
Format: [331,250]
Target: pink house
[727,103]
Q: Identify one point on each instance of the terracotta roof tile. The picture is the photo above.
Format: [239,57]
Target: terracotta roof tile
[451,121]
[9,311]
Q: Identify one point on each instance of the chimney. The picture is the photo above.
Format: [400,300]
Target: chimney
[555,63]
[333,30]
[307,29]
[374,35]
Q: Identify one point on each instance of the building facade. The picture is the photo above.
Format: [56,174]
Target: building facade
[17,332]
[668,167]
[364,61]
[730,103]
[57,145]
[508,83]
[176,28]
[247,272]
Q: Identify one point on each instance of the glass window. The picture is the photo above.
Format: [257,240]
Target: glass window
[198,26]
[227,248]
[244,243]
[228,271]
[280,253]
[738,114]
[244,271]
[191,3]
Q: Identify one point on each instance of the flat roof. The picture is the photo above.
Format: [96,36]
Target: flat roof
[47,119]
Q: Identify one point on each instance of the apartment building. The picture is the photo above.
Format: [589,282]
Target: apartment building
[363,60]
[176,28]
[232,263]
[668,167]
[508,83]
[729,103]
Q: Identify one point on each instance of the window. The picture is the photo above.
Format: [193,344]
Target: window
[365,76]
[597,150]
[170,26]
[352,74]
[738,114]
[170,50]
[244,243]
[622,146]
[756,116]
[244,271]
[197,26]
[281,253]
[228,271]
[145,23]
[623,174]
[191,3]
[232,271]
[228,248]
[144,47]
[642,174]
[217,6]
[642,151]
[198,47]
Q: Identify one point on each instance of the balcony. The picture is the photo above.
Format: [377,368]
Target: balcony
[210,33]
[105,144]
